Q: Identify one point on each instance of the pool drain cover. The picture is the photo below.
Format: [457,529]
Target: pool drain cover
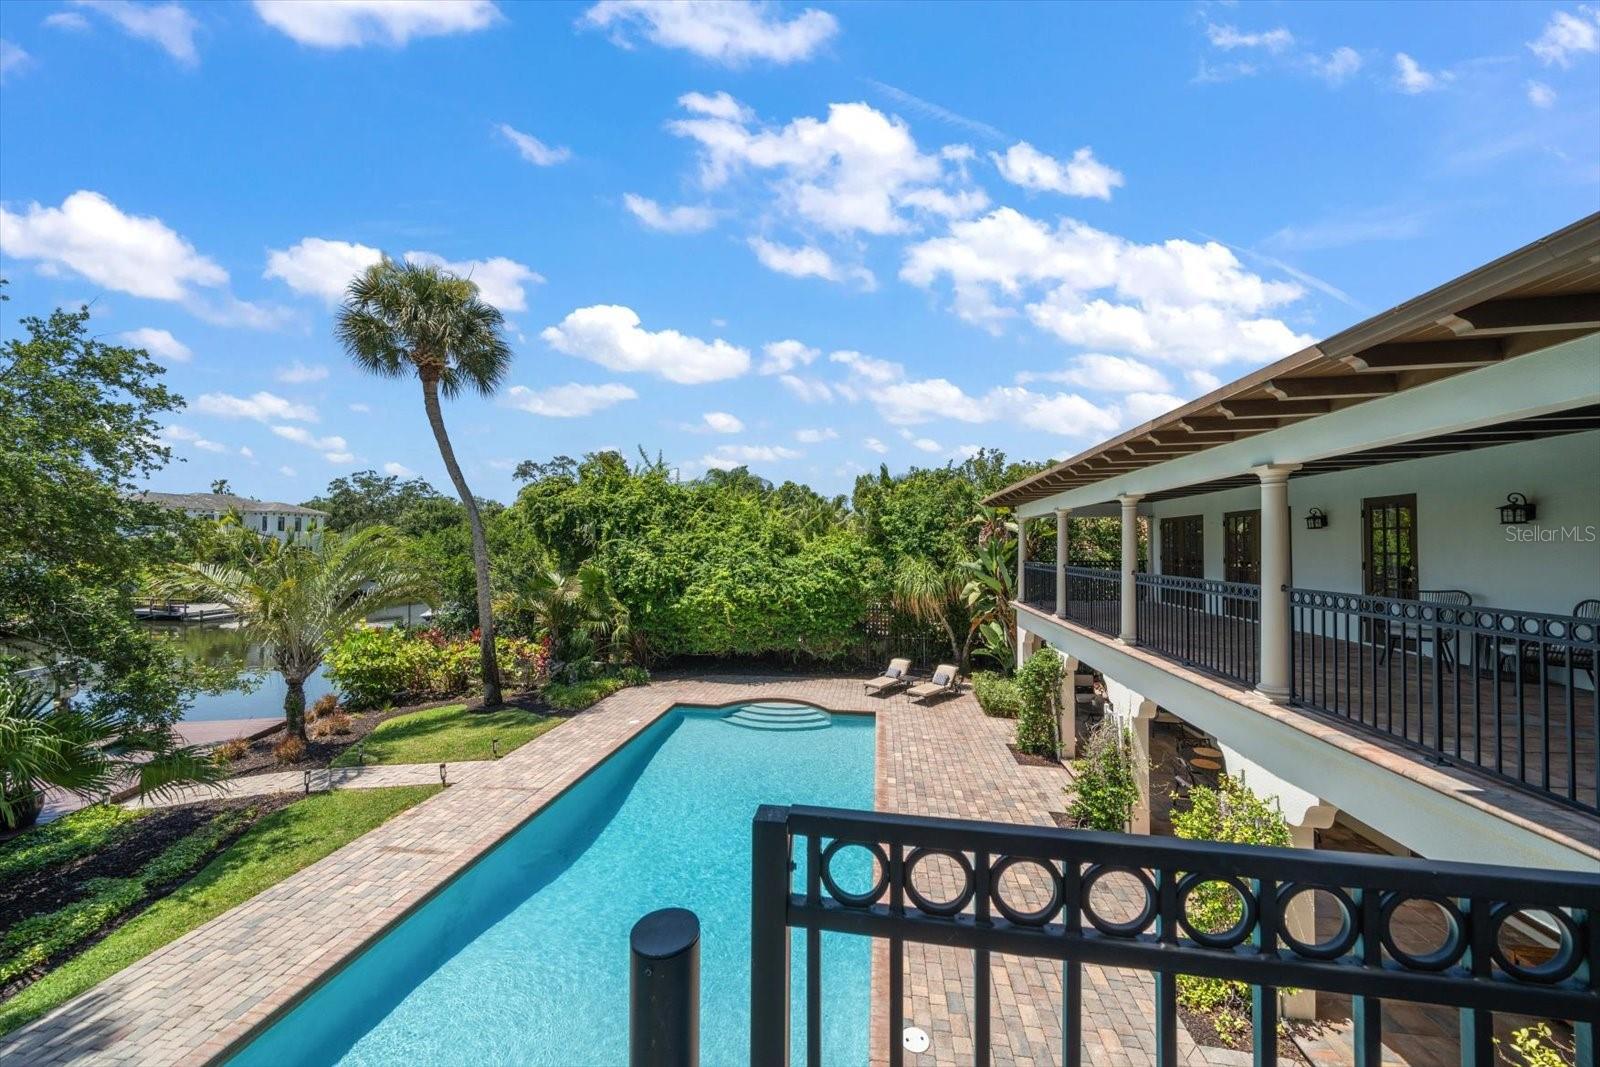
[915,1039]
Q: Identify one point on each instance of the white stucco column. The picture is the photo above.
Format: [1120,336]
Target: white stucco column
[1130,566]
[1062,524]
[1022,557]
[1069,706]
[1301,914]
[1143,717]
[1274,681]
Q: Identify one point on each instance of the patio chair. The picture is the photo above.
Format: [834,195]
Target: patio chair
[1553,655]
[945,682]
[1443,637]
[894,676]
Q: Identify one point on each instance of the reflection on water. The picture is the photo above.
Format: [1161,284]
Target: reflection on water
[216,645]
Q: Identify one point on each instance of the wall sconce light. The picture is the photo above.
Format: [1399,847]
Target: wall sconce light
[1316,519]
[1516,511]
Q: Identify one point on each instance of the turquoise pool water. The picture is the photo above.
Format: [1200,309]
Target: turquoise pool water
[524,959]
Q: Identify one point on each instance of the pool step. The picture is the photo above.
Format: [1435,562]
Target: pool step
[781,717]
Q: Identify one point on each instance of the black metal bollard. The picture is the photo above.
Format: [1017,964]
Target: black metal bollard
[664,990]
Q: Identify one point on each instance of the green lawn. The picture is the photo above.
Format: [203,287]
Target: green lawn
[276,847]
[448,735]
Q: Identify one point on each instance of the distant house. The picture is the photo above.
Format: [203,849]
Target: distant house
[286,522]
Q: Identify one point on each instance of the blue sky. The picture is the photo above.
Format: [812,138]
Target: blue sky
[810,238]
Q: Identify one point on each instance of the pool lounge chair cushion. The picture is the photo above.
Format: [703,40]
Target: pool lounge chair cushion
[943,683]
[893,677]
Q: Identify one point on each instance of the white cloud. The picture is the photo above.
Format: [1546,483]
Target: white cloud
[1114,374]
[1142,406]
[298,373]
[809,262]
[1203,380]
[1160,290]
[247,452]
[361,409]
[319,267]
[874,445]
[169,26]
[610,335]
[1082,175]
[92,237]
[399,470]
[500,281]
[287,471]
[1230,37]
[1336,66]
[726,457]
[816,436]
[722,422]
[730,32]
[157,343]
[685,218]
[534,150]
[924,444]
[352,23]
[1566,35]
[334,448]
[850,172]
[568,401]
[183,435]
[66,20]
[807,390]
[1541,95]
[260,406]
[785,356]
[1409,77]
[14,59]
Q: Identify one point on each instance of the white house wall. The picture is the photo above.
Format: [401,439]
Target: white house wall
[1460,542]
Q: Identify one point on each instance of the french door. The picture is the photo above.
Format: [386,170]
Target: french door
[1389,546]
[1183,555]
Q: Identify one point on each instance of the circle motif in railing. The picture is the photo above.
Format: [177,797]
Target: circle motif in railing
[843,896]
[1438,959]
[1039,916]
[1337,945]
[945,908]
[1233,935]
[1130,927]
[1558,968]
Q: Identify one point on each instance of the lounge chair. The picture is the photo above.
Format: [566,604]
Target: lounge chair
[894,676]
[944,682]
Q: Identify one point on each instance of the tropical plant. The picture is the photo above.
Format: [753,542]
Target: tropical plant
[991,587]
[583,620]
[1105,786]
[86,751]
[1039,685]
[400,319]
[296,599]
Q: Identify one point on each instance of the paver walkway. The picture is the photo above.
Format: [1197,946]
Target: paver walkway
[193,1000]
[372,776]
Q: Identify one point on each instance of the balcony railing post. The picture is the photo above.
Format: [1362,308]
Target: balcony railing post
[664,990]
[1272,680]
[1128,633]
[769,936]
[1063,528]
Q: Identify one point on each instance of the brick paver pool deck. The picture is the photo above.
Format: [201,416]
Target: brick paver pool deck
[205,993]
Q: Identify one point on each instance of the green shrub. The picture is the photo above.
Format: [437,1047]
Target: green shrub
[580,695]
[1039,688]
[1230,813]
[373,667]
[1107,785]
[1537,1046]
[997,695]
[84,831]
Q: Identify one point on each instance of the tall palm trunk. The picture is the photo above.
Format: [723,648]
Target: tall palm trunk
[294,706]
[480,547]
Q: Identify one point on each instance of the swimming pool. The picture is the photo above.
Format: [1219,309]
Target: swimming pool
[524,958]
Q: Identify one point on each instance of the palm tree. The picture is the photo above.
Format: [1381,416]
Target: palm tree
[46,743]
[295,599]
[400,319]
[578,611]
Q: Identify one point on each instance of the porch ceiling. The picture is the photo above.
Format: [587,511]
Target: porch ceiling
[1538,296]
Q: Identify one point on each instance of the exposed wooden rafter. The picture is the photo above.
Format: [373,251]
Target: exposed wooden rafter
[1214,425]
[1272,409]
[1534,314]
[1428,355]
[1333,386]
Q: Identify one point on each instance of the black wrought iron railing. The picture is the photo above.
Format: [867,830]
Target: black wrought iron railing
[1039,586]
[1046,893]
[1509,692]
[1094,598]
[1213,626]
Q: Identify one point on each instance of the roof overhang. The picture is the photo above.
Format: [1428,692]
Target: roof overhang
[1541,295]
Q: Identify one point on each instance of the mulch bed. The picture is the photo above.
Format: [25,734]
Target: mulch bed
[1030,760]
[1205,1033]
[320,752]
[36,892]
